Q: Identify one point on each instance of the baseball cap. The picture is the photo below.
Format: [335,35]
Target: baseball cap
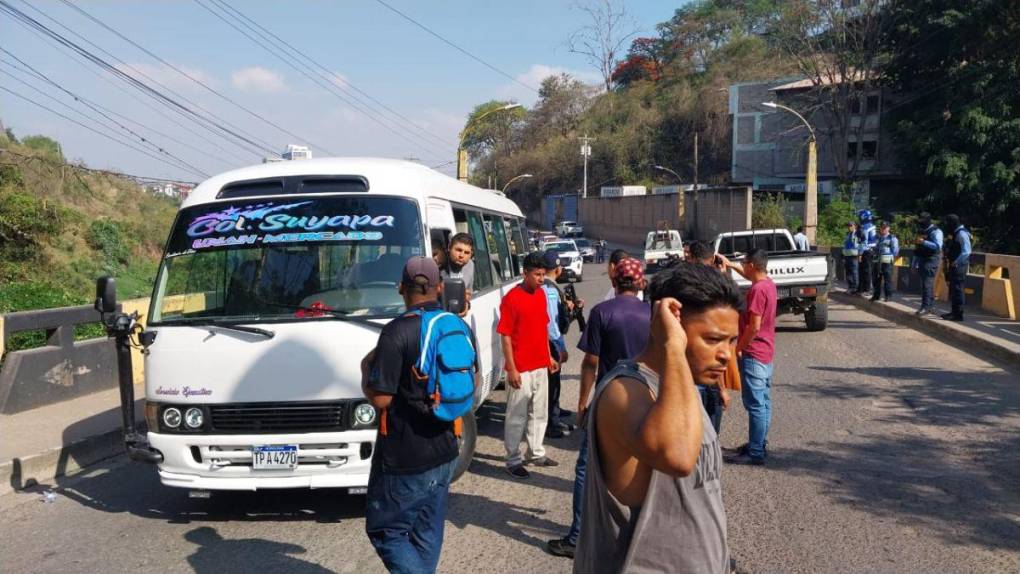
[421,271]
[630,268]
[550,259]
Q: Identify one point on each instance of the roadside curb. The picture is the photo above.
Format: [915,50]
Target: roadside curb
[41,468]
[943,330]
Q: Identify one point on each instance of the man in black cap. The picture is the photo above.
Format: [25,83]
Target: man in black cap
[927,249]
[415,452]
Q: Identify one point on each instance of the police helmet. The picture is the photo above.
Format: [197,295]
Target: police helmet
[864,215]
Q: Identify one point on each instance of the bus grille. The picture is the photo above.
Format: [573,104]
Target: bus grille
[279,417]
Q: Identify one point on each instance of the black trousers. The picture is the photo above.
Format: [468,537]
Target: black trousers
[956,276]
[554,388]
[865,279]
[882,275]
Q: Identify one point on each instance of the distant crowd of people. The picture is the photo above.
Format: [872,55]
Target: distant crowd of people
[870,251]
[660,358]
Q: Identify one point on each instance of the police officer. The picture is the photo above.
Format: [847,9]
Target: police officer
[955,267]
[887,247]
[851,257]
[927,249]
[869,237]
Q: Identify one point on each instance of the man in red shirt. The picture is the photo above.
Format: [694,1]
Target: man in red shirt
[756,348]
[523,328]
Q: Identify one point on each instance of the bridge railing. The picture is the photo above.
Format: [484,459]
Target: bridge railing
[62,368]
[989,280]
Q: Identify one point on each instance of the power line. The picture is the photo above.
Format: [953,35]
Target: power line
[329,87]
[162,112]
[91,129]
[227,129]
[180,162]
[190,77]
[455,46]
[137,178]
[329,73]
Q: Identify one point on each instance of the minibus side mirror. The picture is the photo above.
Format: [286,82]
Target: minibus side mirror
[454,296]
[106,295]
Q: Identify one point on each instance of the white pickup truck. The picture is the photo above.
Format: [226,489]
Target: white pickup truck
[802,278]
[659,245]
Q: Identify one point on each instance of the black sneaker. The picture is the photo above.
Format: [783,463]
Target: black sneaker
[885,299]
[561,547]
[544,461]
[953,317]
[564,413]
[556,432]
[874,298]
[745,459]
[518,472]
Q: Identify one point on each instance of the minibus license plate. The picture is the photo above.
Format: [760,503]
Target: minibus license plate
[274,456]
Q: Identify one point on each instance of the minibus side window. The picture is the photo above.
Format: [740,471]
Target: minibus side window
[499,246]
[518,248]
[483,263]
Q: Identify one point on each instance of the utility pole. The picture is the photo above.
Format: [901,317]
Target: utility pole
[585,153]
[696,226]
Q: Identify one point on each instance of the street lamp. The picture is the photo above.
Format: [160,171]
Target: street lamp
[811,191]
[515,178]
[462,160]
[666,169]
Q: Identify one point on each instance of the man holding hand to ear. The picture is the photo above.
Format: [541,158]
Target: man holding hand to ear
[653,492]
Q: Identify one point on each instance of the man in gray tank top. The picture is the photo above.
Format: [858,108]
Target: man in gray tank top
[653,496]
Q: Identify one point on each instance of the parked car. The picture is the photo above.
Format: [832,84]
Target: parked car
[569,229]
[547,239]
[659,245]
[803,279]
[586,248]
[570,259]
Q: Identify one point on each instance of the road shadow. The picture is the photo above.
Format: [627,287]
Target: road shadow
[509,520]
[960,484]
[216,554]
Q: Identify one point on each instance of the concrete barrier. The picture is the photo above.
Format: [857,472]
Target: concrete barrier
[63,368]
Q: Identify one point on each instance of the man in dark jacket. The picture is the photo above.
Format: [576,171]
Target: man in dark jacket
[956,264]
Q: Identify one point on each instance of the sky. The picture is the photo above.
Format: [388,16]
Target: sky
[375,55]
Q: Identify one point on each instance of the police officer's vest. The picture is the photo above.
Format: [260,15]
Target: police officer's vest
[851,245]
[922,249]
[885,249]
[953,247]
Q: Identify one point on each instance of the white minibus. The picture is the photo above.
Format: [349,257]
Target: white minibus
[275,282]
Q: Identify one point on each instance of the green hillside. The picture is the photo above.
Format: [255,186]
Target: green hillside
[62,226]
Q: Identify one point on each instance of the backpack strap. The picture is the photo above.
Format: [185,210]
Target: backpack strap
[428,337]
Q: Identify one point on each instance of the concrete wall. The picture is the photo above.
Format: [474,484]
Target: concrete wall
[627,220]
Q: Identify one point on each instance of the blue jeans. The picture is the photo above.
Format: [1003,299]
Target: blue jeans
[928,268]
[851,266]
[405,515]
[713,404]
[756,379]
[580,469]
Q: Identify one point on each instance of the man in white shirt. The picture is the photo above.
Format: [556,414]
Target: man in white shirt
[800,241]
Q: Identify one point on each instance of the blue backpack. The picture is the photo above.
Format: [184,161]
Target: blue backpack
[447,363]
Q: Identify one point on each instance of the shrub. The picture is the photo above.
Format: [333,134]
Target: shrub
[769,211]
[832,220]
[44,146]
[109,238]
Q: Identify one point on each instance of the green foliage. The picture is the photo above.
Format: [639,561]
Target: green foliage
[25,223]
[769,211]
[11,177]
[44,146]
[965,136]
[108,237]
[832,220]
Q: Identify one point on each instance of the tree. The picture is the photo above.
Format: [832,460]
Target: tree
[957,63]
[496,131]
[601,40]
[644,62]
[562,100]
[837,45]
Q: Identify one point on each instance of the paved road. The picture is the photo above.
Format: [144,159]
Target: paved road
[890,452]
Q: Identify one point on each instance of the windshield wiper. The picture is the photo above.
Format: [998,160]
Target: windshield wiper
[224,325]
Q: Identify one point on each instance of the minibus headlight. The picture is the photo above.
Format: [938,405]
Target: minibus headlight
[194,418]
[172,417]
[364,415]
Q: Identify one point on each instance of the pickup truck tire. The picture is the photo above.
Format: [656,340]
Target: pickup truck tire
[580,278]
[817,317]
[466,445]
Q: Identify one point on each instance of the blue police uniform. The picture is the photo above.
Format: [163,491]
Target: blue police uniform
[869,237]
[927,263]
[851,259]
[957,262]
[887,247]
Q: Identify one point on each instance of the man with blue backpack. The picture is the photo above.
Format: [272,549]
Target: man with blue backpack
[421,377]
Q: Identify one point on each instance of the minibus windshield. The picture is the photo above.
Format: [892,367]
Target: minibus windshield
[285,260]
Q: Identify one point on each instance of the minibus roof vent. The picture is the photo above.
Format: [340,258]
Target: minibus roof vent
[294,185]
